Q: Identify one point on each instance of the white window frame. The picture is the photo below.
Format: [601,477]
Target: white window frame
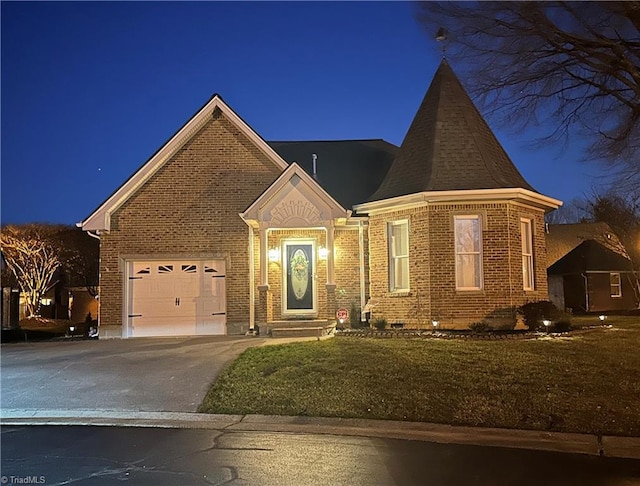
[526,239]
[479,253]
[395,286]
[617,285]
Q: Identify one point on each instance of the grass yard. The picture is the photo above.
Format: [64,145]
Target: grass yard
[588,382]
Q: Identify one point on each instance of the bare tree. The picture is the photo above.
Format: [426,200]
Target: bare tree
[32,253]
[571,65]
[575,211]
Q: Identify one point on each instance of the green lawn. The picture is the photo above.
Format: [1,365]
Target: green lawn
[589,382]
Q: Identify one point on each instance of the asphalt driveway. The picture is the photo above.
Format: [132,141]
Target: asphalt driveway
[150,374]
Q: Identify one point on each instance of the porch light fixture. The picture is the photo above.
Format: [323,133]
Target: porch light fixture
[274,254]
[323,253]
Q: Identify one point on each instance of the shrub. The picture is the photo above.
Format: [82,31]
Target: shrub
[562,325]
[380,324]
[481,326]
[533,313]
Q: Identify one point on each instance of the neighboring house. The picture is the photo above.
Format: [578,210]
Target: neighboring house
[68,296]
[62,300]
[589,269]
[220,231]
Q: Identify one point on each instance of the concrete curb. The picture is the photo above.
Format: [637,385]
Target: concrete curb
[608,446]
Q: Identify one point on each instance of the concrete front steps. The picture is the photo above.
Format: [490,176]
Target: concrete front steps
[298,328]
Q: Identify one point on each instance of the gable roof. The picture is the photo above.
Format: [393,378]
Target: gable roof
[294,173]
[349,170]
[100,219]
[449,147]
[590,256]
[562,239]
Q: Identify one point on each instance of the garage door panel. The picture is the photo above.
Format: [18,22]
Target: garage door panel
[177,298]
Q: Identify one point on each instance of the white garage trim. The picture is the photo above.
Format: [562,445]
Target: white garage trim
[174,297]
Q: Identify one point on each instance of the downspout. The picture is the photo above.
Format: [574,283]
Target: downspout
[586,291]
[252,290]
[361,258]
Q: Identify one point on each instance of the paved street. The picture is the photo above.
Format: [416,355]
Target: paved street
[111,455]
[167,374]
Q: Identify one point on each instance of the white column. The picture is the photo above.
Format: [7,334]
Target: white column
[330,268]
[252,281]
[264,249]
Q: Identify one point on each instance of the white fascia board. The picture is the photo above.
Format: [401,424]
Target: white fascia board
[272,191]
[525,196]
[99,220]
[392,204]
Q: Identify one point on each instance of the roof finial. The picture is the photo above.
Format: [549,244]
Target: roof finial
[441,36]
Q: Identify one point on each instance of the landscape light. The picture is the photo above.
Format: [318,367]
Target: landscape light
[602,317]
[546,322]
[435,323]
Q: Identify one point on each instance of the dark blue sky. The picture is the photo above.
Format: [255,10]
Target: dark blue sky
[91,90]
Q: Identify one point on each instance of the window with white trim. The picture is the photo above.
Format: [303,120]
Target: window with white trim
[526,235]
[398,241]
[468,251]
[616,284]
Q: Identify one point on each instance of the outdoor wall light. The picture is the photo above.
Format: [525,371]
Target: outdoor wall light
[274,254]
[323,253]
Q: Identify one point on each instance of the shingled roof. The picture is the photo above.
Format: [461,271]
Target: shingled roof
[449,146]
[349,170]
[562,239]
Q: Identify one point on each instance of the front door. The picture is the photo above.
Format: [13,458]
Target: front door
[298,287]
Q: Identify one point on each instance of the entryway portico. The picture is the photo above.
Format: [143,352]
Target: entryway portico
[292,229]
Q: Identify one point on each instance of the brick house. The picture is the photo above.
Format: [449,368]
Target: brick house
[220,231]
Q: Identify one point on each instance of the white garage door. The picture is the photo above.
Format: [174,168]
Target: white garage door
[177,298]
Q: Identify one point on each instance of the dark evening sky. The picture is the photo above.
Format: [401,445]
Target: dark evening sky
[91,90]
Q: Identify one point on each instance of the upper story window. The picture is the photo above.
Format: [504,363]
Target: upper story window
[468,251]
[398,241]
[616,284]
[526,235]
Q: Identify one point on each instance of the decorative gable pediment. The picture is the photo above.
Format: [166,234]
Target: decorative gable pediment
[294,200]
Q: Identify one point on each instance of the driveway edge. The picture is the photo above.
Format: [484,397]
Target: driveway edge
[608,446]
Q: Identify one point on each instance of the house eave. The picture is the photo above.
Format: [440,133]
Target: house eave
[409,201]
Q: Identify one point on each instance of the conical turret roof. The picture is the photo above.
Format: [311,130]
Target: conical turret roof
[448,147]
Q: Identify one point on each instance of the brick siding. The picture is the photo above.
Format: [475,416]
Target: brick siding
[433,293]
